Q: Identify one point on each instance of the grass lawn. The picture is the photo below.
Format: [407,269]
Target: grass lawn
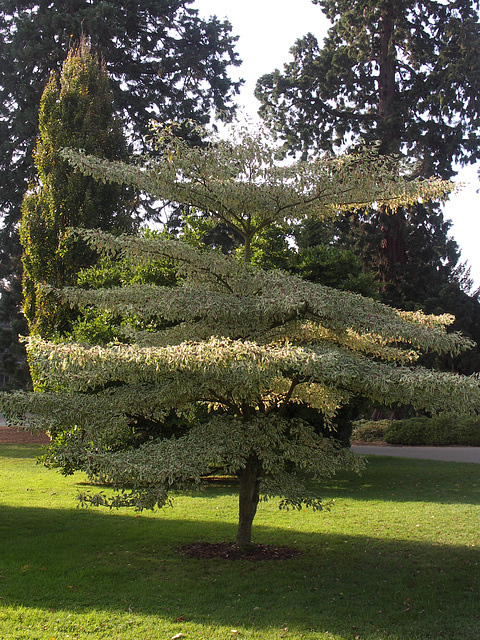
[397,557]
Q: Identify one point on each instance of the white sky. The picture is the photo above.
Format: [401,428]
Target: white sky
[267,30]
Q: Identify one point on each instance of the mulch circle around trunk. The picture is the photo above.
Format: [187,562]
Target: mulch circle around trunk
[230,551]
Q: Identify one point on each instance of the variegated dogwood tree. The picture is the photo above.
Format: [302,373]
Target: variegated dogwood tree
[243,342]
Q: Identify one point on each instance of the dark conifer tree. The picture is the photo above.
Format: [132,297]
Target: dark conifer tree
[405,73]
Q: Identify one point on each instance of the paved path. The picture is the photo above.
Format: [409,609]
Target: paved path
[449,454]
[20,436]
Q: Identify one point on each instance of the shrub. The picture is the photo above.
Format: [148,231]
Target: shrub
[370,430]
[442,430]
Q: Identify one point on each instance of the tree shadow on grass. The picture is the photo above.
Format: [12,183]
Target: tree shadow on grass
[31,451]
[82,560]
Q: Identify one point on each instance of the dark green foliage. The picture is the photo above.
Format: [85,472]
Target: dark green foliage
[466,309]
[304,251]
[404,72]
[75,111]
[161,56]
[13,361]
[335,267]
[14,372]
[408,75]
[101,327]
[427,257]
[339,429]
[436,431]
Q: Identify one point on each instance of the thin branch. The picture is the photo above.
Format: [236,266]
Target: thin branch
[286,400]
[217,397]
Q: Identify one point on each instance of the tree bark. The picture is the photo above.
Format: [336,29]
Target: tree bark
[393,254]
[387,87]
[248,499]
[248,247]
[391,223]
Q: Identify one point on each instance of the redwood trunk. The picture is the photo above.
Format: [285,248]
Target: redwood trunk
[387,87]
[392,224]
[248,499]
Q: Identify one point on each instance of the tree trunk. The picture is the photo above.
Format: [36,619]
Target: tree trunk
[387,86]
[393,254]
[248,247]
[248,499]
[391,223]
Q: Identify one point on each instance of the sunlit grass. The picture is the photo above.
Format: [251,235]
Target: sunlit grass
[397,557]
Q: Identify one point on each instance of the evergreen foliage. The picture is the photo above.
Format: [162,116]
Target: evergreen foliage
[241,342]
[408,75]
[77,111]
[13,364]
[162,59]
[404,72]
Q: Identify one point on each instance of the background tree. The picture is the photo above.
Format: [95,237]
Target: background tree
[76,110]
[163,60]
[407,74]
[243,341]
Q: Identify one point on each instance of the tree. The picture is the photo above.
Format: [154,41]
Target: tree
[163,60]
[161,57]
[407,74]
[245,342]
[77,111]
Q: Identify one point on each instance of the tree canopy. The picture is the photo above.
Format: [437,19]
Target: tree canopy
[405,72]
[242,342]
[162,57]
[242,184]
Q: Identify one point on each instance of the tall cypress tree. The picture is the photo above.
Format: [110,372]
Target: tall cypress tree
[76,110]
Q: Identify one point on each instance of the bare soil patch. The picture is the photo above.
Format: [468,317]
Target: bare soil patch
[230,551]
